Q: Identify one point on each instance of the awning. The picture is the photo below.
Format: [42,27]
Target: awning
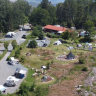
[22,72]
[2,88]
[10,78]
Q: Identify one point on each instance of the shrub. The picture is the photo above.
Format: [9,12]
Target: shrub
[23,89]
[22,59]
[32,86]
[52,62]
[1,56]
[32,44]
[52,35]
[14,44]
[40,91]
[17,53]
[81,59]
[8,58]
[40,36]
[20,48]
[48,65]
[85,69]
[6,44]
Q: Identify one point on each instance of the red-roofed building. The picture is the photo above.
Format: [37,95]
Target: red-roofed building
[55,29]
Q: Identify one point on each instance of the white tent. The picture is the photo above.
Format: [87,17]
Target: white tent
[57,43]
[79,45]
[89,44]
[43,67]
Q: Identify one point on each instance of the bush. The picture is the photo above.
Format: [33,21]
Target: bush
[24,89]
[52,35]
[40,36]
[14,44]
[32,86]
[22,59]
[48,65]
[20,48]
[17,53]
[8,58]
[52,62]
[32,44]
[1,56]
[85,69]
[81,59]
[6,44]
[40,91]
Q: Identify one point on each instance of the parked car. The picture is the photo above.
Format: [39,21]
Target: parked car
[24,36]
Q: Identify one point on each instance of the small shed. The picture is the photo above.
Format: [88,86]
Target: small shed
[70,56]
[46,78]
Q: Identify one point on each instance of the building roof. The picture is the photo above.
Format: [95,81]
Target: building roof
[70,55]
[51,27]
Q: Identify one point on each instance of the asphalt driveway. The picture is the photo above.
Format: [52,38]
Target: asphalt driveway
[7,70]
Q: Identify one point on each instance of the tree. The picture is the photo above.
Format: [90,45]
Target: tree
[88,25]
[14,44]
[65,35]
[40,16]
[35,31]
[32,44]
[44,4]
[23,89]
[41,36]
[6,44]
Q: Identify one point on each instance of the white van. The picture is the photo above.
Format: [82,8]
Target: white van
[13,61]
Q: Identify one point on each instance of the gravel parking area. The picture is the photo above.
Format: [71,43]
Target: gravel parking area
[7,70]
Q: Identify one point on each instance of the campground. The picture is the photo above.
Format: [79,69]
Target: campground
[66,74]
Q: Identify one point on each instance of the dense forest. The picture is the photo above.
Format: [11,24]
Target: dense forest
[70,13]
[12,14]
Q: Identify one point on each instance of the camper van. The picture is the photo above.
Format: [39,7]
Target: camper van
[10,34]
[13,61]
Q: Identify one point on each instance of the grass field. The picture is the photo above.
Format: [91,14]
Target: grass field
[56,70]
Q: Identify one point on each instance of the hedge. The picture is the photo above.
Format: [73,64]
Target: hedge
[1,56]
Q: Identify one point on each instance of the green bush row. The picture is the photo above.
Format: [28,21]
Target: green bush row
[50,35]
[16,52]
[1,56]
